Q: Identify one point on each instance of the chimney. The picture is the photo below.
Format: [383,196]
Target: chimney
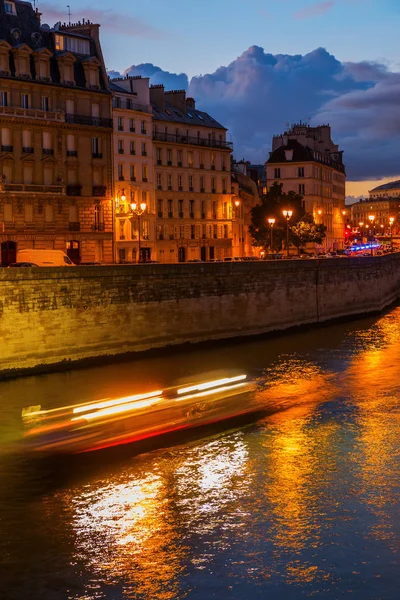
[191,103]
[157,96]
[177,98]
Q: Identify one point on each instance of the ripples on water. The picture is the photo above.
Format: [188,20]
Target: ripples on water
[303,503]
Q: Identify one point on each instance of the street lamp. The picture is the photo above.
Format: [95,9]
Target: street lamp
[271,222]
[138,210]
[288,215]
[371,220]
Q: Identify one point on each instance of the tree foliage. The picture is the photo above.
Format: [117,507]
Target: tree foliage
[302,226]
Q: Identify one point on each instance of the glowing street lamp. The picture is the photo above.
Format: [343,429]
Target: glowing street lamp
[138,210]
[371,220]
[391,221]
[271,222]
[287,213]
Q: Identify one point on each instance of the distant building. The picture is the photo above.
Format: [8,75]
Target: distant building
[193,180]
[305,159]
[245,196]
[387,190]
[56,136]
[382,209]
[133,169]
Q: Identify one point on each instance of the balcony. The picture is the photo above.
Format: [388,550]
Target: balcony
[74,190]
[8,226]
[121,151]
[27,150]
[133,153]
[143,131]
[224,191]
[160,236]
[32,113]
[32,188]
[170,187]
[48,151]
[5,148]
[202,190]
[72,153]
[145,180]
[159,162]
[132,129]
[100,191]
[179,163]
[180,188]
[99,227]
[89,121]
[74,226]
[169,163]
[204,236]
[144,153]
[120,127]
[97,155]
[159,187]
[193,141]
[133,178]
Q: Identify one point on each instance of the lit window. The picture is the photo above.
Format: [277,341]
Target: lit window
[59,42]
[10,8]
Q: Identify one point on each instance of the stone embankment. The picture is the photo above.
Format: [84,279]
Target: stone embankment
[49,316]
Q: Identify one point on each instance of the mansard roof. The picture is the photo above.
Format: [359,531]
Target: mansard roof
[192,116]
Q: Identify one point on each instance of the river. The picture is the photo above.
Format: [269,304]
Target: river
[304,502]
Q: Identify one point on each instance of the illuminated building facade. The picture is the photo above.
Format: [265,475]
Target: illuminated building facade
[305,159]
[56,134]
[133,170]
[193,180]
[245,196]
[382,209]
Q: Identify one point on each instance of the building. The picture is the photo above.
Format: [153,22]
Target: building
[133,170]
[193,180]
[382,209]
[56,134]
[388,190]
[245,196]
[305,159]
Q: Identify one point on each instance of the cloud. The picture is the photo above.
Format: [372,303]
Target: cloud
[259,93]
[121,23]
[315,10]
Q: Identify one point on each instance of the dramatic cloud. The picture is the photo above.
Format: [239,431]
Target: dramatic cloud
[172,81]
[258,94]
[121,23]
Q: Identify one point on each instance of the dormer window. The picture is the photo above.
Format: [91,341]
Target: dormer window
[10,8]
[72,44]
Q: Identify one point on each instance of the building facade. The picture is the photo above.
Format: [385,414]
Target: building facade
[304,159]
[387,190]
[382,210]
[193,180]
[133,171]
[56,134]
[245,196]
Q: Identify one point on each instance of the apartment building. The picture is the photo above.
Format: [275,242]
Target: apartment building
[245,197]
[56,137]
[192,180]
[133,171]
[305,159]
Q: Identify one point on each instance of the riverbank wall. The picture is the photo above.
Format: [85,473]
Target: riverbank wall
[52,315]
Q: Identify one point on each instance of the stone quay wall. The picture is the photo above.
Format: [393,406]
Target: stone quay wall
[51,315]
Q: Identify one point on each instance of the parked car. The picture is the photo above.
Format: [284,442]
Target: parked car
[23,264]
[45,258]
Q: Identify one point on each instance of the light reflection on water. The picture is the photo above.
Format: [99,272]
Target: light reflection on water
[303,503]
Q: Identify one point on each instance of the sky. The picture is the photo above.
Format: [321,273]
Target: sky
[260,64]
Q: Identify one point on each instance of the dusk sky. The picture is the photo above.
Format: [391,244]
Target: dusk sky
[341,65]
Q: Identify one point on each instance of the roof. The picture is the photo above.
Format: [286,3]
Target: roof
[392,185]
[192,116]
[23,28]
[302,154]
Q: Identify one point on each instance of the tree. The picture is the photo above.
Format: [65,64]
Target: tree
[272,205]
[307,231]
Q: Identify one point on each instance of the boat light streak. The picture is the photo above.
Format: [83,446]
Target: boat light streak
[108,403]
[115,410]
[213,391]
[211,384]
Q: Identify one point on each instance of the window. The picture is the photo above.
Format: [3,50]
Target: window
[143,126]
[179,158]
[180,182]
[48,213]
[144,196]
[214,209]
[69,106]
[200,117]
[95,146]
[300,171]
[202,184]
[144,149]
[46,136]
[277,173]
[45,103]
[120,147]
[159,181]
[48,175]
[28,178]
[191,207]
[191,183]
[144,173]
[224,185]
[28,213]
[213,184]
[3,98]
[132,148]
[169,157]
[225,231]
[24,100]
[192,232]
[170,207]
[145,230]
[72,44]
[95,110]
[131,125]
[10,8]
[132,173]
[27,141]
[180,208]
[160,207]
[170,182]
[159,156]
[120,124]
[190,158]
[302,189]
[98,216]
[121,172]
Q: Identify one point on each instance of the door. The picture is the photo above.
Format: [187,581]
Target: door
[74,251]
[8,253]
[181,254]
[212,252]
[145,255]
[203,253]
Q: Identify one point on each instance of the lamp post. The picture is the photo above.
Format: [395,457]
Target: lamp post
[120,197]
[288,215]
[138,210]
[271,222]
[391,221]
[371,220]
